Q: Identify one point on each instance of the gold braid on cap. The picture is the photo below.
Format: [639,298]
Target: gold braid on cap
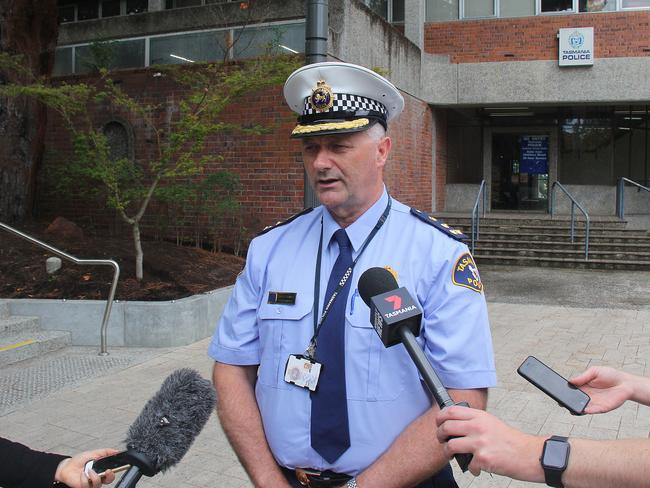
[348,124]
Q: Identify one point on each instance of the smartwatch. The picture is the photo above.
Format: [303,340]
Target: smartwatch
[555,458]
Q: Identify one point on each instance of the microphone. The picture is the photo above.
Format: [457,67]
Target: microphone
[168,425]
[396,318]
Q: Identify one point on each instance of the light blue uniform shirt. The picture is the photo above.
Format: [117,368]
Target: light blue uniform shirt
[384,390]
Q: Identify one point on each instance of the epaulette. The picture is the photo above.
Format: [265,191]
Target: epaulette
[285,222]
[442,227]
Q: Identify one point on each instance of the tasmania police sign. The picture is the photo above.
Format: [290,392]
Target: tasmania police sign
[576,46]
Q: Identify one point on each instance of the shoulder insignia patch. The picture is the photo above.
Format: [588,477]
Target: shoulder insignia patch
[466,273]
[442,227]
[284,222]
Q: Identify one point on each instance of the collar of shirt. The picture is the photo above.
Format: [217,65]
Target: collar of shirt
[359,230]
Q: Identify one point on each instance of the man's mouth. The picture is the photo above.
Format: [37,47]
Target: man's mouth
[327,181]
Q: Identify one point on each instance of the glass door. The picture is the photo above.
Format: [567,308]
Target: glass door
[519,171]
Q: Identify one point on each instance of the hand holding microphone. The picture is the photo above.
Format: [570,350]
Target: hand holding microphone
[396,318]
[165,429]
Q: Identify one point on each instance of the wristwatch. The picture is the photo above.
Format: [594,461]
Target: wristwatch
[555,458]
[352,483]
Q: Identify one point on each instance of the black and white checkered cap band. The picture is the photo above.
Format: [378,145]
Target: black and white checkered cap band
[347,103]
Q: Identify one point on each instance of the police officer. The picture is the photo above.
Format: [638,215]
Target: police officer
[307,393]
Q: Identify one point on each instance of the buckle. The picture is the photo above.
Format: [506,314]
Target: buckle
[302,475]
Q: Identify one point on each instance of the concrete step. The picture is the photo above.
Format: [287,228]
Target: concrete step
[578,237]
[606,255]
[4,309]
[610,222]
[561,262]
[558,230]
[22,346]
[16,325]
[562,244]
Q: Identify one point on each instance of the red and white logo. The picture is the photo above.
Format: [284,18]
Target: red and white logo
[396,300]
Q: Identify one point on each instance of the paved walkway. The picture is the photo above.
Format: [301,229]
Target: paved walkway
[532,312]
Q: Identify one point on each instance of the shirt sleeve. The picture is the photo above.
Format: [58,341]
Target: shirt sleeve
[236,338]
[22,467]
[456,329]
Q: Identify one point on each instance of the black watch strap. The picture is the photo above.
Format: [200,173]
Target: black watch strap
[553,474]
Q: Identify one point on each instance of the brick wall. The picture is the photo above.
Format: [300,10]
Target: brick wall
[616,34]
[409,171]
[269,165]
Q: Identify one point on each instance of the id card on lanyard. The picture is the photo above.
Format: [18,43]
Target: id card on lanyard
[302,369]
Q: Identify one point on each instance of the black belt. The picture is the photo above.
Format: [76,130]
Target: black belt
[317,479]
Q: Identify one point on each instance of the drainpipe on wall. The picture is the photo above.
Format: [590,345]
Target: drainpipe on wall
[315,52]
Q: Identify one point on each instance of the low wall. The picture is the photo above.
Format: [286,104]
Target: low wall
[132,323]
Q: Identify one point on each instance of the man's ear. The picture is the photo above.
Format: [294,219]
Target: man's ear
[383,150]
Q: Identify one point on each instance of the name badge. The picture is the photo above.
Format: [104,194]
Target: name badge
[302,371]
[282,298]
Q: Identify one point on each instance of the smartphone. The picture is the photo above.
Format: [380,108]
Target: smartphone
[117,462]
[554,385]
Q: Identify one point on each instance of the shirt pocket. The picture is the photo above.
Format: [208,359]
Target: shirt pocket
[374,372]
[284,330]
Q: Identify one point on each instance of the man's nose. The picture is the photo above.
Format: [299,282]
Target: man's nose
[322,160]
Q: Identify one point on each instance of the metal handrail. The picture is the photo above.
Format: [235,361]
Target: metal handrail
[620,195]
[574,203]
[109,262]
[476,218]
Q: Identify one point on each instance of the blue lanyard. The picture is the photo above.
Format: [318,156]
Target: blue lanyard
[311,350]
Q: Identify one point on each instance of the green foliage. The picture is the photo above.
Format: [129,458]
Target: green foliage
[178,153]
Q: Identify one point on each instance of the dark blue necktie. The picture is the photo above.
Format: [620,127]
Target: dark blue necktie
[330,434]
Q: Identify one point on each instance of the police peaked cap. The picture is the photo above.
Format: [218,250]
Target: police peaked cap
[336,98]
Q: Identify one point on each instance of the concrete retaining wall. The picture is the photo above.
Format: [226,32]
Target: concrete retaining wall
[135,324]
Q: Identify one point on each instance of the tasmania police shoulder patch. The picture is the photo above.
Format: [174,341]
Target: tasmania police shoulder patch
[466,273]
[442,227]
[285,222]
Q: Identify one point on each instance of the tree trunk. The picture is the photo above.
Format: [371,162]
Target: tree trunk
[138,251]
[29,28]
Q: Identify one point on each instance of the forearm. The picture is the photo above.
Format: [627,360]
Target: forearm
[596,464]
[241,421]
[416,454]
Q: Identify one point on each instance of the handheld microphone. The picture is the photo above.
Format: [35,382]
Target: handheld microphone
[396,318]
[167,425]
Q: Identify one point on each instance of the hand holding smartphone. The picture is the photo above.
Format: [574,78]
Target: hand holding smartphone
[558,388]
[116,463]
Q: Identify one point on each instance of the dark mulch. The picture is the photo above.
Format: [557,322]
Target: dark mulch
[170,271]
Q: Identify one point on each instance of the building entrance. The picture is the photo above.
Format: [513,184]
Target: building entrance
[520,171]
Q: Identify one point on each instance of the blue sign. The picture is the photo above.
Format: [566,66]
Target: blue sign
[534,155]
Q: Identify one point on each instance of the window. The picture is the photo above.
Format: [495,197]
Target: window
[188,48]
[117,138]
[441,10]
[556,6]
[169,4]
[66,13]
[87,11]
[278,39]
[111,55]
[478,8]
[516,8]
[136,6]
[597,5]
[635,4]
[62,61]
[110,8]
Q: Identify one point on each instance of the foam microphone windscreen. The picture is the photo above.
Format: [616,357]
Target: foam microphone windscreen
[172,418]
[375,281]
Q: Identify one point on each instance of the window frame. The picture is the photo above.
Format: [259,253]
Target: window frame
[147,40]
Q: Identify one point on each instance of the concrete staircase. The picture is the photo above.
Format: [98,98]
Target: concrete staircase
[22,338]
[538,240]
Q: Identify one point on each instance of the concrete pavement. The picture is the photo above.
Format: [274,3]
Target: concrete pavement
[569,319]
